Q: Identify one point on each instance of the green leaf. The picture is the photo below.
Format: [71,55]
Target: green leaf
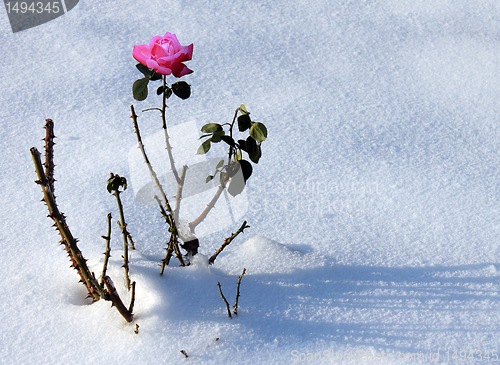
[258,131]
[233,168]
[253,149]
[204,148]
[155,76]
[140,89]
[243,109]
[229,140]
[246,169]
[182,89]
[164,89]
[217,136]
[242,144]
[219,165]
[222,177]
[144,69]
[211,128]
[244,122]
[209,178]
[256,155]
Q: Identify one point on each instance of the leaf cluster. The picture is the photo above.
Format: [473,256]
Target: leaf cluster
[140,87]
[251,145]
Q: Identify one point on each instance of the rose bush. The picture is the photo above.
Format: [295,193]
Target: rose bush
[165,55]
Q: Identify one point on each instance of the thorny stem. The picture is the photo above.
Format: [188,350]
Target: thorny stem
[167,138]
[171,217]
[178,197]
[107,253]
[209,206]
[173,244]
[79,263]
[225,301]
[70,243]
[49,153]
[123,227]
[117,302]
[132,299]
[227,241]
[146,159]
[235,307]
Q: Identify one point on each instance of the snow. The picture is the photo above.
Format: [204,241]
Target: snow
[373,212]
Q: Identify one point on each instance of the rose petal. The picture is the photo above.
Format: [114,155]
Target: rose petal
[164,61]
[152,64]
[186,54]
[153,40]
[158,51]
[174,40]
[141,53]
[163,70]
[179,70]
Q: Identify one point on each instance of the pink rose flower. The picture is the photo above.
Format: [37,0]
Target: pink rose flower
[164,55]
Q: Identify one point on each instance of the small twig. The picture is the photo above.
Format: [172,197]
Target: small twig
[132,298]
[168,256]
[225,301]
[107,253]
[127,233]
[235,308]
[116,301]
[136,329]
[113,185]
[227,241]
[173,244]
[209,206]
[184,353]
[49,153]
[231,135]
[130,240]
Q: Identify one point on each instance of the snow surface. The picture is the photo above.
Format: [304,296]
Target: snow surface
[374,211]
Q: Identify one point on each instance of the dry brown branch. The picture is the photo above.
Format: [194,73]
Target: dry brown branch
[235,307]
[116,301]
[107,253]
[225,301]
[227,241]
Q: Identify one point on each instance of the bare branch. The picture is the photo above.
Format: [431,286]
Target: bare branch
[227,241]
[107,253]
[116,301]
[225,301]
[235,307]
